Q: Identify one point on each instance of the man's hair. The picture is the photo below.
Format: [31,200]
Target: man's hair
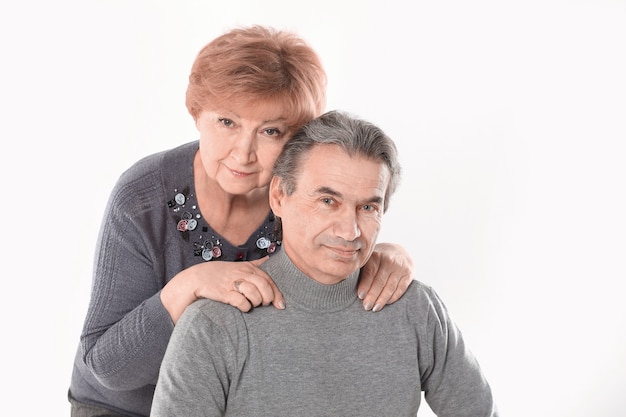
[355,136]
[259,65]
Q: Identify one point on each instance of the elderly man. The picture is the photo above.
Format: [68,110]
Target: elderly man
[331,185]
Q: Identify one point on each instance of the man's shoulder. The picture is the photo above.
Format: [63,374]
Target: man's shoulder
[419,288]
[210,326]
[420,297]
[214,310]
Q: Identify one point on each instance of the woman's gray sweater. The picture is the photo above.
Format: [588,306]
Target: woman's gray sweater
[152,229]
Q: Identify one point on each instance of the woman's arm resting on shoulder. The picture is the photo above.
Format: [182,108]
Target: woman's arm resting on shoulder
[386,276]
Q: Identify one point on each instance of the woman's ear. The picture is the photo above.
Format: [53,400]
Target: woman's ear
[276,195]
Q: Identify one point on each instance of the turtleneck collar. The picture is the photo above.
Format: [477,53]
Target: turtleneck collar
[305,291]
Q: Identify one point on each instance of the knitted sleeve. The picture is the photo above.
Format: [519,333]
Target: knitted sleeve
[451,378]
[126,329]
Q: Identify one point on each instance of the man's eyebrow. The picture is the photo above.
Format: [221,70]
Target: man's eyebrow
[329,191]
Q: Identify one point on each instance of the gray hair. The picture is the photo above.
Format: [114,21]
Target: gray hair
[355,136]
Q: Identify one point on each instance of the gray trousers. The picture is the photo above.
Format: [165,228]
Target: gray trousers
[86,410]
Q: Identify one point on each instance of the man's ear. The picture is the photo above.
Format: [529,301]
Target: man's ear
[276,196]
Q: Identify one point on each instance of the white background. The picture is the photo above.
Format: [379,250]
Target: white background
[509,116]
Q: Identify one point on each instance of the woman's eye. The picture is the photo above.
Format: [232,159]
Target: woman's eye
[226,122]
[272,132]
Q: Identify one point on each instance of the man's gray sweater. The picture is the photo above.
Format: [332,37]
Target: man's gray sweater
[324,355]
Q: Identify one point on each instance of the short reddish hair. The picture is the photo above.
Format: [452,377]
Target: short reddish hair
[259,65]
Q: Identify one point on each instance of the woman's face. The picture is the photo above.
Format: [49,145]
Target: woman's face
[238,146]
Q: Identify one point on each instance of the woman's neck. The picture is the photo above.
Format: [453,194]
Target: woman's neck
[234,217]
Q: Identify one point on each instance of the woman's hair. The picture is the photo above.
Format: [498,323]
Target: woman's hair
[355,136]
[259,65]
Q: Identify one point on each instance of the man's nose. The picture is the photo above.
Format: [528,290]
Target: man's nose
[346,225]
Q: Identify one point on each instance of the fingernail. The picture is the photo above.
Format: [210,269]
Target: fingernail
[368,306]
[281,305]
[361,295]
[376,308]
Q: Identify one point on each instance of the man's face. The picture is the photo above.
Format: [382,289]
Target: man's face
[332,219]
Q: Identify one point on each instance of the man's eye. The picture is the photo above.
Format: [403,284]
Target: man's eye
[370,208]
[327,200]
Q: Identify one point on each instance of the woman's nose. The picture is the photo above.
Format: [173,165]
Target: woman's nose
[244,148]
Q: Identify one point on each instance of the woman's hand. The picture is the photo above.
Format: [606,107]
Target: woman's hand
[385,277]
[241,284]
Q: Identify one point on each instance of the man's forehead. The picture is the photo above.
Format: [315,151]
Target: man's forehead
[329,167]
